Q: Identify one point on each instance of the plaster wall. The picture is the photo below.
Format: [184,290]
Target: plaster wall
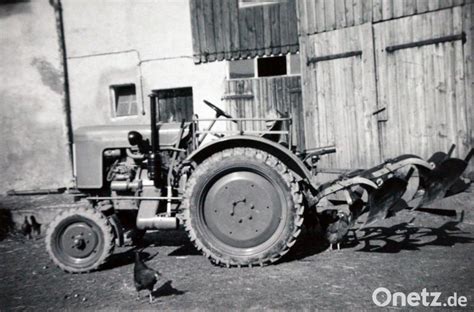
[33,138]
[147,43]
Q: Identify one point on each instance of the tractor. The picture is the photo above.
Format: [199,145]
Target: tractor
[240,197]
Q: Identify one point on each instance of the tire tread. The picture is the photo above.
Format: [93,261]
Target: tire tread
[94,216]
[287,176]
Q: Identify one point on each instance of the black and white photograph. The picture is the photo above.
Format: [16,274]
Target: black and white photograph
[236,155]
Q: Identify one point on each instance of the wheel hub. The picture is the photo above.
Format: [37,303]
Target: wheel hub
[79,243]
[242,209]
[79,240]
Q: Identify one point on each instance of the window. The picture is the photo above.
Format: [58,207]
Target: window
[294,63]
[271,66]
[175,105]
[252,3]
[265,67]
[241,69]
[124,100]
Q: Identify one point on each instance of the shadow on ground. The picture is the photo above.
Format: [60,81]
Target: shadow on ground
[176,238]
[378,239]
[405,236]
[167,289]
[385,239]
[127,257]
[6,223]
[153,239]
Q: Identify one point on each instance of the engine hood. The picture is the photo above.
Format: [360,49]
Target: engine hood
[90,143]
[118,134]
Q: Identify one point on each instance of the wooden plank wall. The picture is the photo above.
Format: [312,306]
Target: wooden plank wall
[262,97]
[468,27]
[424,92]
[423,87]
[223,31]
[343,97]
[323,15]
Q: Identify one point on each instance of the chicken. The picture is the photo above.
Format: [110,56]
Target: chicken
[327,218]
[144,277]
[36,227]
[26,228]
[336,224]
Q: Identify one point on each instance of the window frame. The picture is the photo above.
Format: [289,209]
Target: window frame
[175,89]
[114,100]
[289,68]
[257,3]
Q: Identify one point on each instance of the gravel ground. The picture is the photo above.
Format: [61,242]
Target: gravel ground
[401,254]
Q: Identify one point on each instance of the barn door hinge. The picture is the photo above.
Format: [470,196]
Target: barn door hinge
[382,117]
[332,57]
[393,48]
[379,111]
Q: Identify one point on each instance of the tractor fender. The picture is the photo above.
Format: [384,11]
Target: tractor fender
[275,149]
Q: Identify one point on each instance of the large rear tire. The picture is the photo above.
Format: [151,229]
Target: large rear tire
[80,240]
[243,207]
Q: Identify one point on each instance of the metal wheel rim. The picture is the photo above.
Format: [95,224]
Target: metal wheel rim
[74,249]
[226,231]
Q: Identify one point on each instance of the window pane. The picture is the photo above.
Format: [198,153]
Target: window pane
[295,64]
[271,66]
[123,106]
[125,100]
[241,69]
[133,108]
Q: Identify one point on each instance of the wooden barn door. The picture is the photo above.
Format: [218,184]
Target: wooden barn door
[420,64]
[340,65]
[262,97]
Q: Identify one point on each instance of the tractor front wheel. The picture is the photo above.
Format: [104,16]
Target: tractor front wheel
[80,240]
[243,207]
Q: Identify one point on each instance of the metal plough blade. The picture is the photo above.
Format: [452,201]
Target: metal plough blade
[443,179]
[438,157]
[458,186]
[382,199]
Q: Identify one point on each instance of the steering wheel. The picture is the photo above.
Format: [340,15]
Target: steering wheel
[219,112]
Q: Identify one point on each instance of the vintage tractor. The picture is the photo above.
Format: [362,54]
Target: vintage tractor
[242,197]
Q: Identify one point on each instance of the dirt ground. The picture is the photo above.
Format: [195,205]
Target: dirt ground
[413,251]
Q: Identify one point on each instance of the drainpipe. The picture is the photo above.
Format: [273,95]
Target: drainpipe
[58,12]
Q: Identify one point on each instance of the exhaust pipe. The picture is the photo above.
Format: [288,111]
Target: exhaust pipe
[154,160]
[157,223]
[147,218]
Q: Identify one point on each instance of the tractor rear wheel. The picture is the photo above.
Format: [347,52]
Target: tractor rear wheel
[243,207]
[80,240]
